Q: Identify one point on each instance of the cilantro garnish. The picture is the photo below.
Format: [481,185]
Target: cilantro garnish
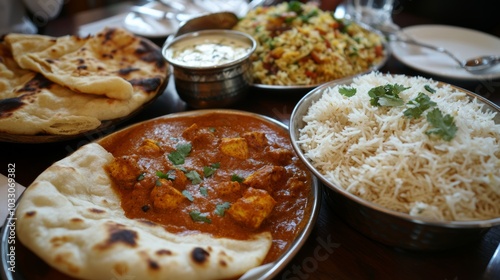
[295,6]
[220,209]
[237,178]
[418,105]
[188,195]
[179,155]
[387,95]
[204,191]
[169,175]
[210,170]
[194,177]
[429,89]
[311,14]
[141,176]
[444,126]
[347,91]
[197,216]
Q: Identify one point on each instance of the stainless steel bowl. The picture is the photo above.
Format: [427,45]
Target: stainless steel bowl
[212,86]
[392,228]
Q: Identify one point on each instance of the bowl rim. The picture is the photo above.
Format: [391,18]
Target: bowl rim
[226,32]
[296,123]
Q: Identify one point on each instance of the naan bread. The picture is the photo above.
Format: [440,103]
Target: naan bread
[71,217]
[69,85]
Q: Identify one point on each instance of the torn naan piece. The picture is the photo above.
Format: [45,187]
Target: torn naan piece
[71,217]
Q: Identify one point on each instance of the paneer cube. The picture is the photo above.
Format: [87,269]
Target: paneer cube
[198,136]
[149,146]
[235,147]
[190,132]
[267,178]
[180,180]
[280,156]
[165,196]
[124,171]
[253,208]
[227,187]
[255,139]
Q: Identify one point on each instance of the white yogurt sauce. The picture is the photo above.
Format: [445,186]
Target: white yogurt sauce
[208,51]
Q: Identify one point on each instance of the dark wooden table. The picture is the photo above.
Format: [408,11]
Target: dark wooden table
[334,250]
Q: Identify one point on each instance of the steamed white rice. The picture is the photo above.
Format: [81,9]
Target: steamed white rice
[378,154]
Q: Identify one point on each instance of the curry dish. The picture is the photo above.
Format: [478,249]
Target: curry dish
[227,175]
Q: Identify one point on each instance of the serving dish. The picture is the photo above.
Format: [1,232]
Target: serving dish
[464,43]
[393,228]
[24,258]
[211,68]
[303,89]
[302,46]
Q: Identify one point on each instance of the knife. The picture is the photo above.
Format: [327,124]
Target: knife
[160,15]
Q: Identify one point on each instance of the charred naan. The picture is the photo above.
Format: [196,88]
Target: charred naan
[69,85]
[71,217]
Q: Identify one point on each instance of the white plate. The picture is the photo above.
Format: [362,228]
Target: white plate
[462,42]
[149,27]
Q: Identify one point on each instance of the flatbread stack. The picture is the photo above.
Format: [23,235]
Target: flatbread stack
[73,220]
[70,85]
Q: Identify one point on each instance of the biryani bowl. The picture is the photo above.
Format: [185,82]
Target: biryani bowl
[391,227]
[211,68]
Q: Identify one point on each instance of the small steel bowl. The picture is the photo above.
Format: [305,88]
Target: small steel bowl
[392,228]
[211,86]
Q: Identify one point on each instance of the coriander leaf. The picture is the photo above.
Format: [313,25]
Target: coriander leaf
[188,195]
[204,191]
[295,6]
[390,101]
[184,148]
[210,170]
[418,105]
[347,91]
[311,14]
[170,175]
[176,157]
[179,155]
[220,209]
[194,177]
[429,89]
[386,95]
[444,126]
[237,178]
[197,216]
[141,176]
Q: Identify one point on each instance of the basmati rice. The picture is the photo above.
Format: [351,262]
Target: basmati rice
[378,154]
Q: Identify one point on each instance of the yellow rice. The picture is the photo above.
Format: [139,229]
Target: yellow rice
[308,47]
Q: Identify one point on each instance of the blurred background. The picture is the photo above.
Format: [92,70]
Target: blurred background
[480,15]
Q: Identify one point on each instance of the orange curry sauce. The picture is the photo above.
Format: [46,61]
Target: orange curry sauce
[238,176]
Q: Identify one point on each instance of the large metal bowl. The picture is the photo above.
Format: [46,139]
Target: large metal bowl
[389,227]
[26,263]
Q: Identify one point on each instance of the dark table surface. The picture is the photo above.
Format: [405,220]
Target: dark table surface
[349,254]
